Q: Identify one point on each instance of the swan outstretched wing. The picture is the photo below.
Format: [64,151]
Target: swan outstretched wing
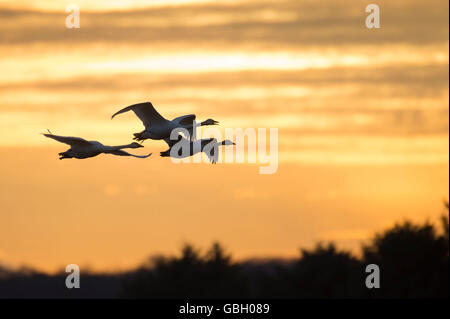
[211,149]
[185,119]
[72,141]
[123,153]
[213,155]
[145,112]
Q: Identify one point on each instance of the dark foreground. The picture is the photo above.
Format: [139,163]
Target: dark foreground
[413,261]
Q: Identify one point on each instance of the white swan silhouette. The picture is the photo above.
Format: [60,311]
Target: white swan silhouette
[209,146]
[156,126]
[80,148]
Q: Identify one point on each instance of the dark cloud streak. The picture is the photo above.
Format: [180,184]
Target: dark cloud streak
[258,24]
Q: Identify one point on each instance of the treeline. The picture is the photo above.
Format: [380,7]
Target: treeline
[413,261]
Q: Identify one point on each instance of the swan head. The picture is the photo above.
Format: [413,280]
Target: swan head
[66,154]
[135,145]
[210,122]
[228,142]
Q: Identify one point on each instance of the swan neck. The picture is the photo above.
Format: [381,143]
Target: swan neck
[119,147]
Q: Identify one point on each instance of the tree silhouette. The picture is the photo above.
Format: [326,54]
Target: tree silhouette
[190,275]
[413,261]
[326,272]
[445,225]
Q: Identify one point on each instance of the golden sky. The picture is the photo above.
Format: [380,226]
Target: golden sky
[362,117]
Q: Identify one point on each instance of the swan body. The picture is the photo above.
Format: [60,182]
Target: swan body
[80,148]
[209,146]
[156,126]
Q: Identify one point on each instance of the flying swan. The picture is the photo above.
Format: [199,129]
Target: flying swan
[209,146]
[80,148]
[156,126]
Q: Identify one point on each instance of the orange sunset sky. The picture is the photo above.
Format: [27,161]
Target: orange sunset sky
[362,117]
